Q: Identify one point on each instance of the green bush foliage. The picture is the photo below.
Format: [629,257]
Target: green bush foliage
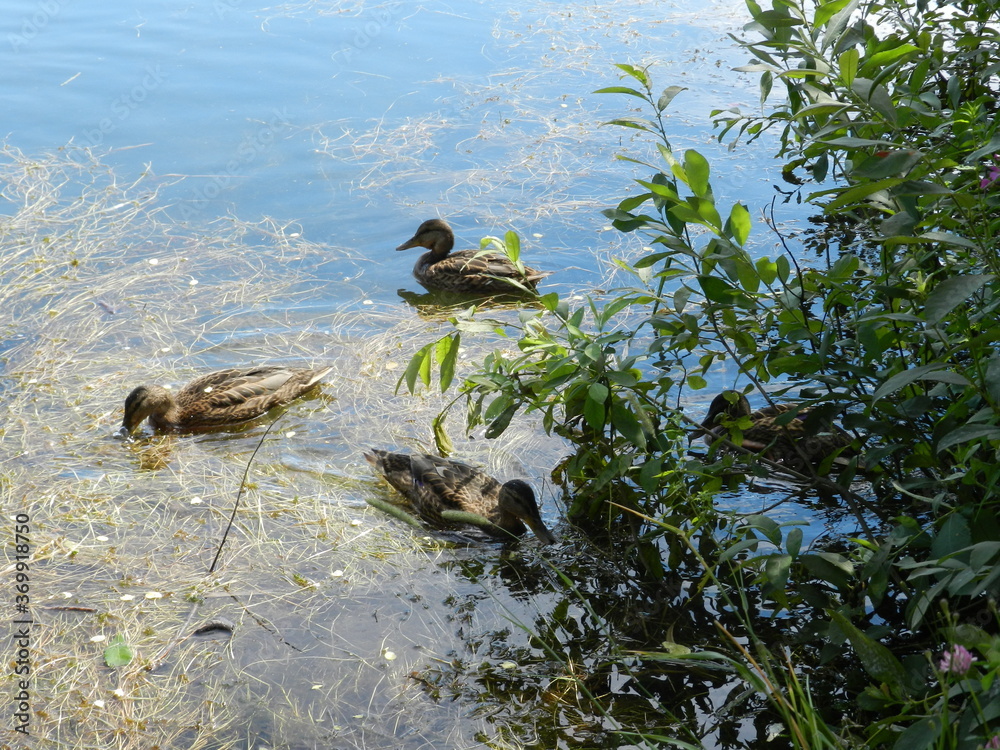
[888,124]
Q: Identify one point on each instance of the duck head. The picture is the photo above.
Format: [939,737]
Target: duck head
[433,234]
[144,401]
[731,404]
[727,406]
[518,499]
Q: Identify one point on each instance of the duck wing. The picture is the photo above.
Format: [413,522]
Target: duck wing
[241,394]
[453,485]
[473,269]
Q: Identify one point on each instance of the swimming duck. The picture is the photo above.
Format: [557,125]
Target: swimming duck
[220,398]
[437,487]
[467,270]
[788,440]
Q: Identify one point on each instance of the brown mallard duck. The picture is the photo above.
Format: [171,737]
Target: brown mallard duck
[438,487]
[467,270]
[788,439]
[220,398]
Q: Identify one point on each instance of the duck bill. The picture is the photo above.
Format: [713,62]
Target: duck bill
[541,531]
[412,242]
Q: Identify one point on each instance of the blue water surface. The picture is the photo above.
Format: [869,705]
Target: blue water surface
[359,120]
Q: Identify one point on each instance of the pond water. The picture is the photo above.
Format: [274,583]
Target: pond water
[198,186]
[358,120]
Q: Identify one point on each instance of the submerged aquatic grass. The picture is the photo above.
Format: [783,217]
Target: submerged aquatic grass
[318,586]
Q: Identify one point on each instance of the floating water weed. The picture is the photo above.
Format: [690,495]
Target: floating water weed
[122,534]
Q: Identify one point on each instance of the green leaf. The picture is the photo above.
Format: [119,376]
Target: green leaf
[898,162]
[739,223]
[766,83]
[776,568]
[767,269]
[636,123]
[708,214]
[877,660]
[498,425]
[497,406]
[419,366]
[783,268]
[877,96]
[830,567]
[793,542]
[594,405]
[849,65]
[993,377]
[441,439]
[717,290]
[953,536]
[950,293]
[844,267]
[681,296]
[897,225]
[661,189]
[859,192]
[118,653]
[879,60]
[966,434]
[747,275]
[637,73]
[446,351]
[625,422]
[549,301]
[776,19]
[949,239]
[828,10]
[920,735]
[650,260]
[851,142]
[668,96]
[756,68]
[621,90]
[697,170]
[766,526]
[512,246]
[826,109]
[834,32]
[983,554]
[628,204]
[935,372]
[649,475]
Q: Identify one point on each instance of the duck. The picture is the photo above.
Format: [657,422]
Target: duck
[221,398]
[467,270]
[789,440]
[441,490]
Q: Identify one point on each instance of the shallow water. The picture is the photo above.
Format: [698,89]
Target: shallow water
[252,170]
